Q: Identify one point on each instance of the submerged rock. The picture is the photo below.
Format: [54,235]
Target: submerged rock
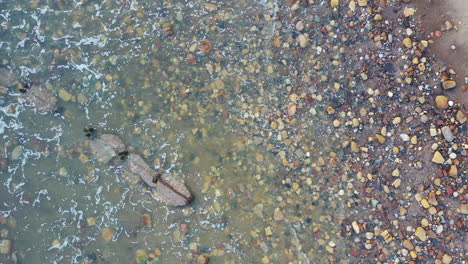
[5,246]
[7,79]
[171,191]
[17,153]
[168,188]
[106,147]
[140,169]
[41,99]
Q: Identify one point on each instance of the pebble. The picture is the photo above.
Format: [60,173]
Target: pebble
[352,5]
[83,158]
[203,259]
[292,108]
[205,46]
[408,245]
[408,43]
[405,137]
[356,228]
[438,158]
[464,208]
[446,259]
[56,243]
[380,138]
[354,147]
[421,233]
[425,203]
[362,2]
[447,132]
[334,3]
[408,11]
[278,215]
[258,210]
[300,26]
[90,221]
[442,102]
[107,233]
[461,116]
[146,220]
[65,95]
[141,256]
[303,40]
[450,84]
[17,152]
[5,246]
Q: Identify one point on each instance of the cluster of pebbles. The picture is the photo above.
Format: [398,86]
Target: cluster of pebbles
[370,148]
[105,147]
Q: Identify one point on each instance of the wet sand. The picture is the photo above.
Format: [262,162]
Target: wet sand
[433,15]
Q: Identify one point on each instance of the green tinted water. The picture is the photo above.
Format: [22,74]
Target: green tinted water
[135,69]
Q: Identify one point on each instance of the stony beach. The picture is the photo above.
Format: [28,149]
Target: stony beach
[312,131]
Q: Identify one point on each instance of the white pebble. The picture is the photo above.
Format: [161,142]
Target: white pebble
[405,137]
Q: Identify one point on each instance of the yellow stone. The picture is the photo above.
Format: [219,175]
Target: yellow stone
[362,2]
[352,5]
[303,40]
[90,221]
[273,125]
[83,158]
[265,260]
[446,259]
[408,11]
[56,243]
[295,186]
[356,227]
[203,259]
[354,147]
[453,171]
[420,233]
[141,255]
[425,203]
[268,231]
[425,222]
[438,158]
[442,102]
[408,43]
[380,138]
[65,95]
[334,3]
[107,233]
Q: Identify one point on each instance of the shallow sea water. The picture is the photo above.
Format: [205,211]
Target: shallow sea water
[135,69]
